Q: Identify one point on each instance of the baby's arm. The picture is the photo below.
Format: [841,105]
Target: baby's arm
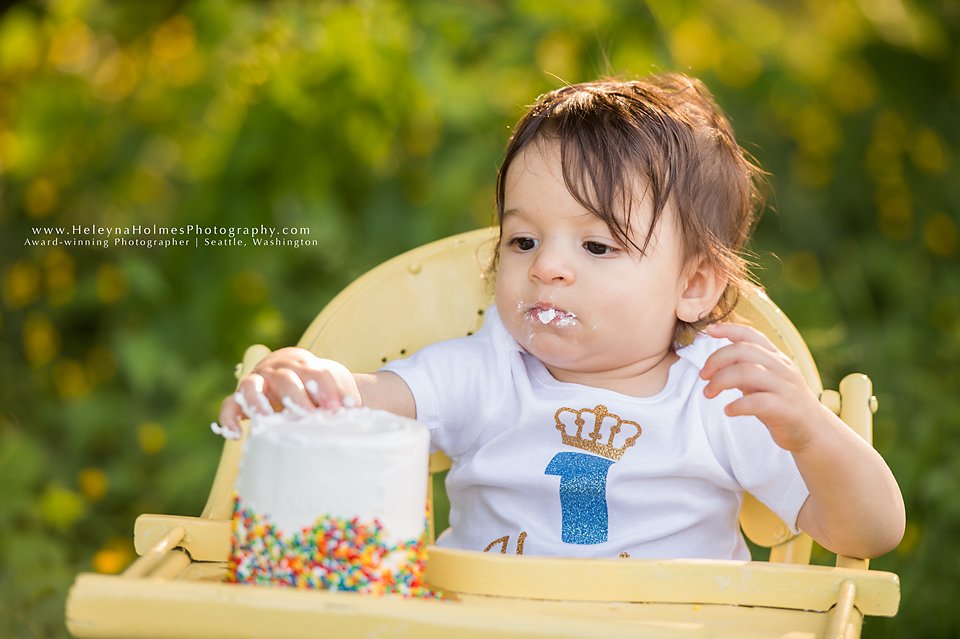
[312,382]
[855,507]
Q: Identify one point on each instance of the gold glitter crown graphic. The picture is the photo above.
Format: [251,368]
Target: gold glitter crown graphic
[592,442]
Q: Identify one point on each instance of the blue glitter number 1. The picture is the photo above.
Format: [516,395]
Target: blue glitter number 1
[583,496]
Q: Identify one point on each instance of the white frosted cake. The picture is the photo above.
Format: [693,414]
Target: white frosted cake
[333,501]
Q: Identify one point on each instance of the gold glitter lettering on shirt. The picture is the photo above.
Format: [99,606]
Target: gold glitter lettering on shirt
[503,541]
[522,538]
[591,443]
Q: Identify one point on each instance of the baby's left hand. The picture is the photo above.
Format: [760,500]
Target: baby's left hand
[773,388]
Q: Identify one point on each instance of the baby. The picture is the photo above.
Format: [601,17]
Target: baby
[604,409]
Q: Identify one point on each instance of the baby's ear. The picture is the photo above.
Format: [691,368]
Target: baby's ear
[701,287]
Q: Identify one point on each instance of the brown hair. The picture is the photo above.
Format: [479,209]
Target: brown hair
[666,130]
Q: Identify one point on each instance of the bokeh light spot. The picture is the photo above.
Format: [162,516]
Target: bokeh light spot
[41,341]
[151,437]
[941,236]
[802,271]
[757,25]
[816,130]
[268,324]
[111,283]
[60,270]
[225,113]
[146,185]
[696,45]
[895,214]
[929,152]
[739,66]
[853,87]
[250,287]
[71,46]
[559,53]
[21,284]
[9,150]
[174,39]
[93,483]
[41,198]
[116,77]
[115,555]
[809,53]
[70,379]
[61,507]
[19,40]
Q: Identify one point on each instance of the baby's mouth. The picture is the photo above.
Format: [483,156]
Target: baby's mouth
[552,315]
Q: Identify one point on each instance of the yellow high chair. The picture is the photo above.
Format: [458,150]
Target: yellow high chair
[436,292]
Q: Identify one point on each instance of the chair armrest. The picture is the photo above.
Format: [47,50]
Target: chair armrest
[203,539]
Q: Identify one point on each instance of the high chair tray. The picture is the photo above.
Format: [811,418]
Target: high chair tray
[104,606]
[538,597]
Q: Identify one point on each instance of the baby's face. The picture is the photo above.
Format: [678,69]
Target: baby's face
[573,296]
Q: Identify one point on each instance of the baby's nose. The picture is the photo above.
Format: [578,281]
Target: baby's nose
[551,266]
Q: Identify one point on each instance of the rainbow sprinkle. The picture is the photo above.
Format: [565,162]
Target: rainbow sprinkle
[335,554]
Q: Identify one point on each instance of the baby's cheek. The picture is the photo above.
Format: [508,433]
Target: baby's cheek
[521,330]
[511,310]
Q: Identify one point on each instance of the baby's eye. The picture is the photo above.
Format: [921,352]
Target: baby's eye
[524,243]
[598,248]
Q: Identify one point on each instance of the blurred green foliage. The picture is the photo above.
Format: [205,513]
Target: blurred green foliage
[378,124]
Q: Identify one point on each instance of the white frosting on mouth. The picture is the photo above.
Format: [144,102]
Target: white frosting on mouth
[547,315]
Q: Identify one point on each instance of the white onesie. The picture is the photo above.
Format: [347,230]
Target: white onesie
[529,477]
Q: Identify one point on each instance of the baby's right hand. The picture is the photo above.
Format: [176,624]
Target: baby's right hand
[293,373]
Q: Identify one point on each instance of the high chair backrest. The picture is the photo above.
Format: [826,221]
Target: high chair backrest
[441,290]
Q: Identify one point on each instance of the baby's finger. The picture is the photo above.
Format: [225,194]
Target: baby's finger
[286,388]
[756,404]
[747,377]
[250,396]
[324,391]
[230,415]
[740,406]
[313,390]
[740,333]
[742,352]
[326,396]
